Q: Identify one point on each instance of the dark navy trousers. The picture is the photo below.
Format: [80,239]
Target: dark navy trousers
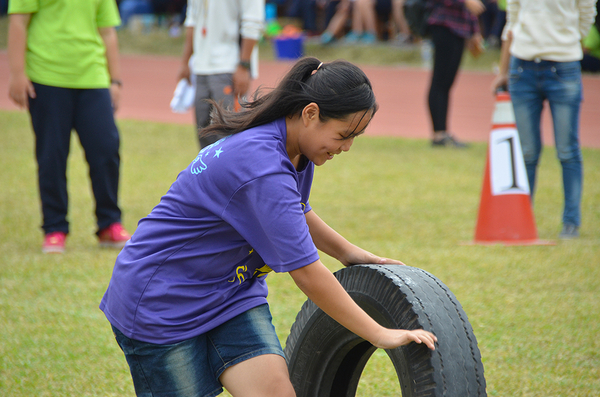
[55,112]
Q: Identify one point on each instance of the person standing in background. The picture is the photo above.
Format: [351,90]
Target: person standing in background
[403,33]
[451,24]
[222,35]
[591,52]
[541,50]
[591,47]
[364,20]
[64,68]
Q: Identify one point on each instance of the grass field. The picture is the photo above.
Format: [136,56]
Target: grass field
[534,310]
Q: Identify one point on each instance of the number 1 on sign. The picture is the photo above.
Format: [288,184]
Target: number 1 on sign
[507,168]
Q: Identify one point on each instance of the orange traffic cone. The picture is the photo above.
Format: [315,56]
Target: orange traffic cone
[505,212]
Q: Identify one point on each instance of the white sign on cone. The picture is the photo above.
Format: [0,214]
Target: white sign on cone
[507,168]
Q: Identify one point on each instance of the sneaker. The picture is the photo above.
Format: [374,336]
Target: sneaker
[448,141]
[352,38]
[114,236]
[54,243]
[402,39]
[326,38]
[368,38]
[569,232]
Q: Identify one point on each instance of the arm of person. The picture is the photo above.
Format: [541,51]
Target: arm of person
[188,49]
[20,88]
[475,7]
[587,16]
[252,20]
[321,286]
[332,243]
[501,79]
[242,75]
[111,42]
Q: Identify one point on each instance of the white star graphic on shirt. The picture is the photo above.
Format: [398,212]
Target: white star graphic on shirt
[218,152]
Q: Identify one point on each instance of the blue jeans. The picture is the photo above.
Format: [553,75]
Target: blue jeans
[192,368]
[530,84]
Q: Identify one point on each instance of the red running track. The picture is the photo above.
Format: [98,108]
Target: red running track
[149,82]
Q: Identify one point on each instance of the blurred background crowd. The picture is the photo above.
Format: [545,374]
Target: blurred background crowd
[349,22]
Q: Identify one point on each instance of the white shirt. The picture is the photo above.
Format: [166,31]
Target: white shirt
[218,25]
[548,29]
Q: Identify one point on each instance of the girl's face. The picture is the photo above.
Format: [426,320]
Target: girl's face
[320,141]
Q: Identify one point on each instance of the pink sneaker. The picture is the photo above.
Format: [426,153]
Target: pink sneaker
[54,243]
[114,236]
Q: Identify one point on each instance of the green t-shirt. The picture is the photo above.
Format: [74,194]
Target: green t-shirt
[592,42]
[64,47]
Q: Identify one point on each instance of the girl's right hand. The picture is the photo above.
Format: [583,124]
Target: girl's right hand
[392,338]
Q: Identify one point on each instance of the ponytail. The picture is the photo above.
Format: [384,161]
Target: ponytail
[339,88]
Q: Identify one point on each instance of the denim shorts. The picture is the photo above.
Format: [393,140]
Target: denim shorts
[192,367]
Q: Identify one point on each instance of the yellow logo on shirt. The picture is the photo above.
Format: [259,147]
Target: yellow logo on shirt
[240,271]
[262,271]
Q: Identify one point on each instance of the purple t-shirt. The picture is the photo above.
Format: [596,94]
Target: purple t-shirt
[201,256]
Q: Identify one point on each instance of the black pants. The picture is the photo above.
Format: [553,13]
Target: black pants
[448,53]
[590,63]
[55,112]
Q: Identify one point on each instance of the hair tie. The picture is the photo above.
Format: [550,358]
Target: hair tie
[318,67]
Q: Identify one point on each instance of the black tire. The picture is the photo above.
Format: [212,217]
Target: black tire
[326,360]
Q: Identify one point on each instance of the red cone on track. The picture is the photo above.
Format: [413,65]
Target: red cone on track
[505,212]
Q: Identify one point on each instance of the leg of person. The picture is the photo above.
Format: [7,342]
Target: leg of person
[308,13]
[496,32]
[382,11]
[262,376]
[51,118]
[528,103]
[330,10]
[201,106]
[220,89]
[357,23]
[486,19]
[248,358]
[448,53]
[99,137]
[364,20]
[563,88]
[174,370]
[337,23]
[400,19]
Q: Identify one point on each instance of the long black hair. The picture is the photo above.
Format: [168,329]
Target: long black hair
[339,88]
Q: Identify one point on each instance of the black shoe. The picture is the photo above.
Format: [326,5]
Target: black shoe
[569,232]
[448,141]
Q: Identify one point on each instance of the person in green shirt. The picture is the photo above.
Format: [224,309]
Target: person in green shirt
[64,68]
[591,51]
